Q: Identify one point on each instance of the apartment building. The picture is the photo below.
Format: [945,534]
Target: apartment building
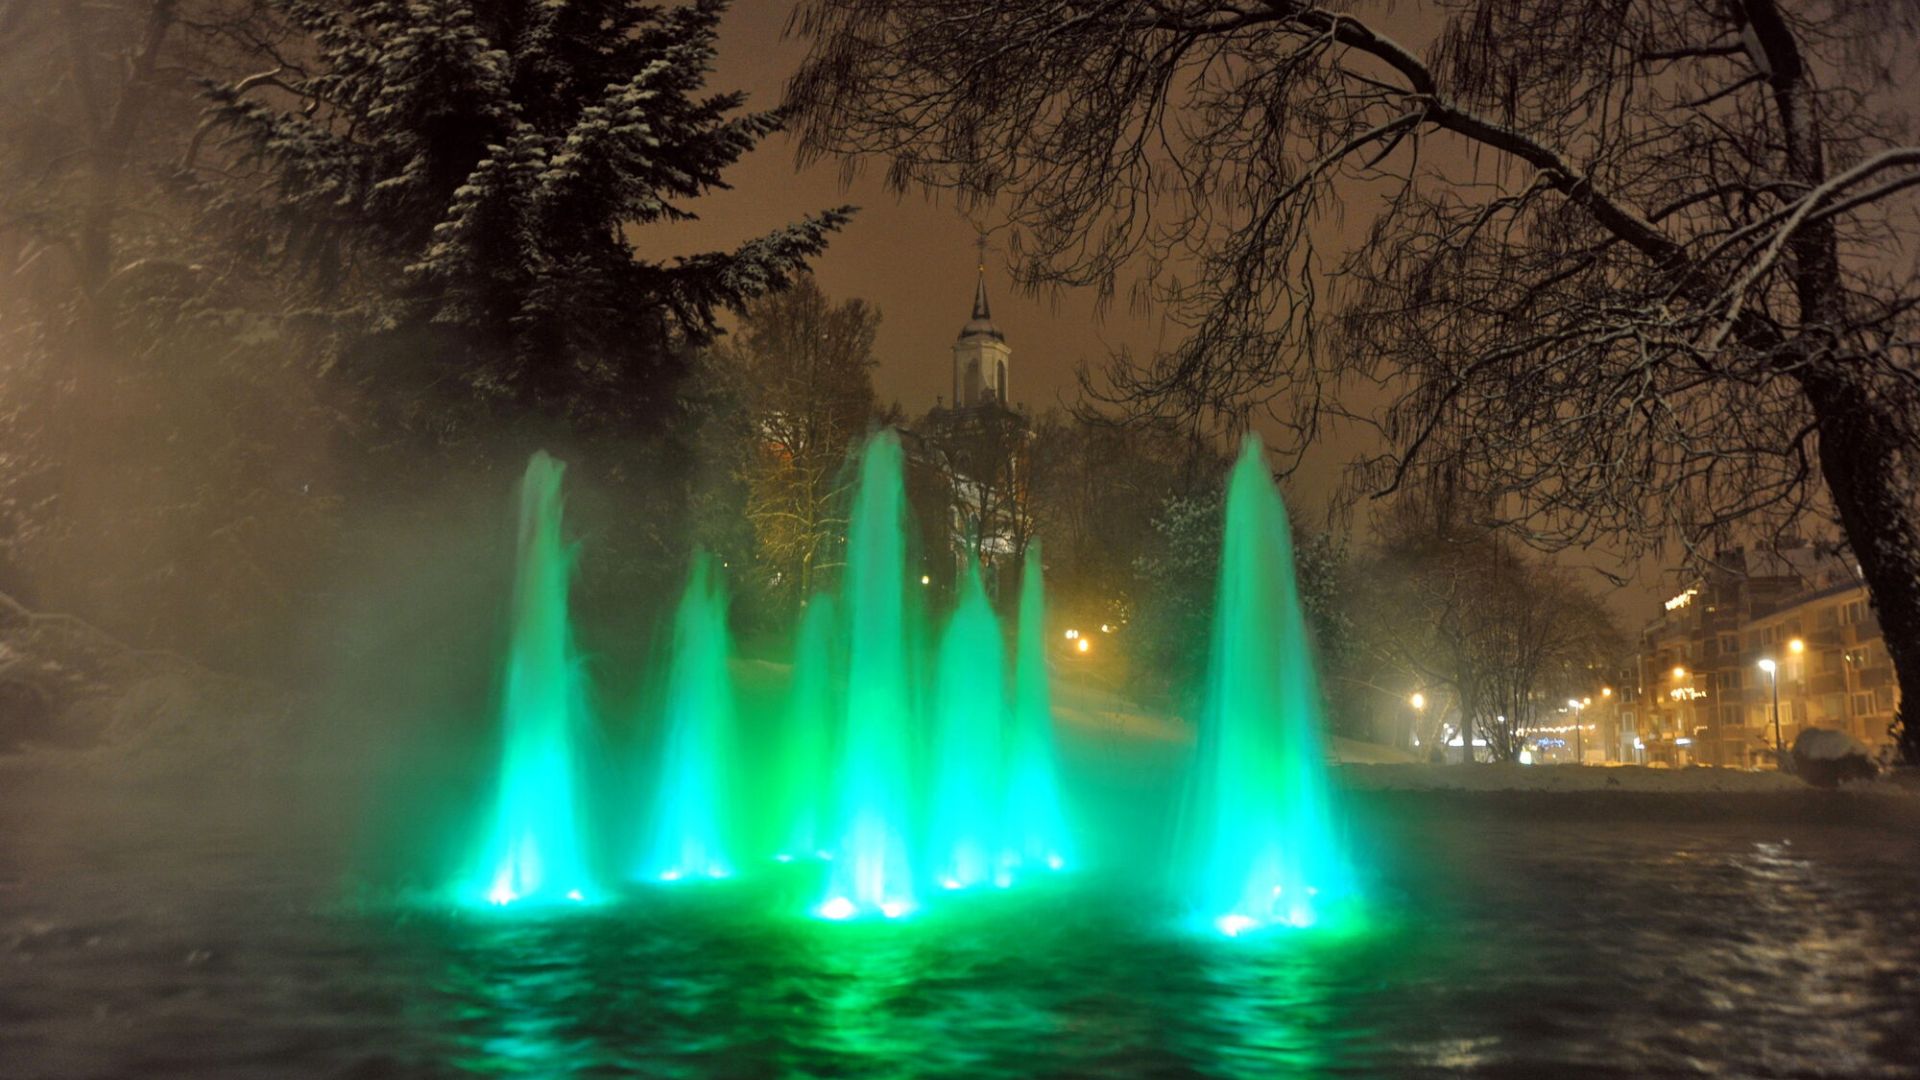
[1702,694]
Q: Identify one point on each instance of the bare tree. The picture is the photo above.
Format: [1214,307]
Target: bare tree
[803,370]
[1644,268]
[1459,609]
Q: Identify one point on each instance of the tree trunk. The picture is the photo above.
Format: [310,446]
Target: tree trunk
[1870,456]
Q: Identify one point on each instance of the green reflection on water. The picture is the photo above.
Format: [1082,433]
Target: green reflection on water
[987,984]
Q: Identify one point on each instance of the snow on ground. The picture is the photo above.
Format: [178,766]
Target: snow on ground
[1573,778]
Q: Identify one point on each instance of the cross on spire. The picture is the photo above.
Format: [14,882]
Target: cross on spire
[980,286]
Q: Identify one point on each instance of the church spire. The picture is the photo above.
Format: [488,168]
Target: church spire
[980,354]
[980,311]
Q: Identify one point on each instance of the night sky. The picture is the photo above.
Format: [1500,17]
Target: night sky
[913,256]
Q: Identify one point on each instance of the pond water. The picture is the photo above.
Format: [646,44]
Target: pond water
[188,942]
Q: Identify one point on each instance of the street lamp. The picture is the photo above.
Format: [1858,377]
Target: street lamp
[1773,676]
[1796,646]
[1418,700]
[1579,733]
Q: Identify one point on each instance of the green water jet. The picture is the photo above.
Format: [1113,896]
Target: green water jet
[535,850]
[1258,844]
[1036,827]
[802,765]
[969,711]
[692,796]
[871,872]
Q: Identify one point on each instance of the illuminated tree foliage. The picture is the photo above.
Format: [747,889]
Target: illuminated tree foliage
[801,370]
[1640,269]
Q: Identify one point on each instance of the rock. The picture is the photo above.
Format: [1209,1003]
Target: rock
[1827,758]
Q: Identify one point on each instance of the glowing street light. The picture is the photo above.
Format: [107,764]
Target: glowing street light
[1773,676]
[1679,673]
[926,579]
[1606,691]
[1084,644]
[1796,646]
[1418,700]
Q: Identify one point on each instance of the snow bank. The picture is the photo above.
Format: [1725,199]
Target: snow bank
[1561,778]
[1820,744]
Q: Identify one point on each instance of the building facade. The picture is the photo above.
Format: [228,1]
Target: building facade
[1795,620]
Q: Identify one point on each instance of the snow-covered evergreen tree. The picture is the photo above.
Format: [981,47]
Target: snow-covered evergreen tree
[454,179]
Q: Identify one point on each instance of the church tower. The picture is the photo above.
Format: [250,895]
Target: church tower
[980,356]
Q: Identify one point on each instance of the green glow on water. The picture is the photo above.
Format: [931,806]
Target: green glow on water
[535,850]
[969,713]
[1258,845]
[692,796]
[871,872]
[1036,829]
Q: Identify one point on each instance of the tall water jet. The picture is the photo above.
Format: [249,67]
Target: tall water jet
[969,707]
[802,762]
[1036,831]
[535,849]
[871,872]
[692,797]
[1257,843]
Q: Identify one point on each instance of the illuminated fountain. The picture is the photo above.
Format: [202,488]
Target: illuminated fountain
[868,840]
[969,713]
[1036,829]
[692,794]
[897,766]
[535,850]
[801,767]
[1257,844]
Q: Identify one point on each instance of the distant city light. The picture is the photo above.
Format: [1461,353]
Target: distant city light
[1796,646]
[1679,673]
[1418,700]
[1606,691]
[926,579]
[837,908]
[1084,644]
